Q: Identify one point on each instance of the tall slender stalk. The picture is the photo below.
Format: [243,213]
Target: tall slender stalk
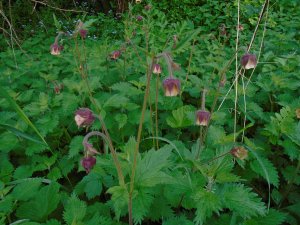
[139,135]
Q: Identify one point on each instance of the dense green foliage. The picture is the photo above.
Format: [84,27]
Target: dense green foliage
[184,174]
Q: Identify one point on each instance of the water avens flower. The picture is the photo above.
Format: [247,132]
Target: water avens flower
[139,18]
[83,33]
[138,1]
[88,163]
[156,69]
[248,61]
[147,7]
[115,55]
[171,86]
[55,49]
[202,117]
[239,152]
[84,117]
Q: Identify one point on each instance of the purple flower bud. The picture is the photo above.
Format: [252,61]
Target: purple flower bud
[83,33]
[55,49]
[115,55]
[147,7]
[248,61]
[156,69]
[88,163]
[202,117]
[171,86]
[139,18]
[84,117]
[240,27]
[239,152]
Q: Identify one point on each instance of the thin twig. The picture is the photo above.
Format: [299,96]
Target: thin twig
[56,8]
[236,69]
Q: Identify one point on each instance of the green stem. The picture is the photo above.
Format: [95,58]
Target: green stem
[149,71]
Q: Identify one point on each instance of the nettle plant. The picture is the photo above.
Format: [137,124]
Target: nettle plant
[154,183]
[153,145]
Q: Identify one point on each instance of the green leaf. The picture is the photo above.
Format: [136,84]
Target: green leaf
[141,204]
[44,202]
[75,146]
[26,190]
[93,185]
[274,217]
[149,170]
[56,23]
[207,202]
[21,113]
[20,133]
[242,200]
[75,210]
[180,117]
[119,199]
[271,170]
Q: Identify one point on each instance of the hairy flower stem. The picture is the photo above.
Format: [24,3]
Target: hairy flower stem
[107,136]
[156,110]
[138,140]
[115,158]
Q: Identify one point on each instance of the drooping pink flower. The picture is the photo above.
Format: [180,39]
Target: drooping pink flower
[55,49]
[83,33]
[115,55]
[248,61]
[156,69]
[171,86]
[88,163]
[84,117]
[202,117]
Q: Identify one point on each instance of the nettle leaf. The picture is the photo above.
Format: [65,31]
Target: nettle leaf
[141,204]
[75,210]
[75,146]
[26,190]
[23,171]
[52,222]
[182,220]
[180,117]
[149,169]
[274,217]
[207,202]
[242,201]
[129,149]
[116,101]
[126,89]
[44,202]
[92,185]
[119,199]
[121,120]
[47,124]
[270,168]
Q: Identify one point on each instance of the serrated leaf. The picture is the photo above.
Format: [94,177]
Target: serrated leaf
[242,201]
[272,172]
[93,185]
[44,202]
[26,190]
[274,217]
[75,146]
[75,210]
[149,170]
[207,202]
